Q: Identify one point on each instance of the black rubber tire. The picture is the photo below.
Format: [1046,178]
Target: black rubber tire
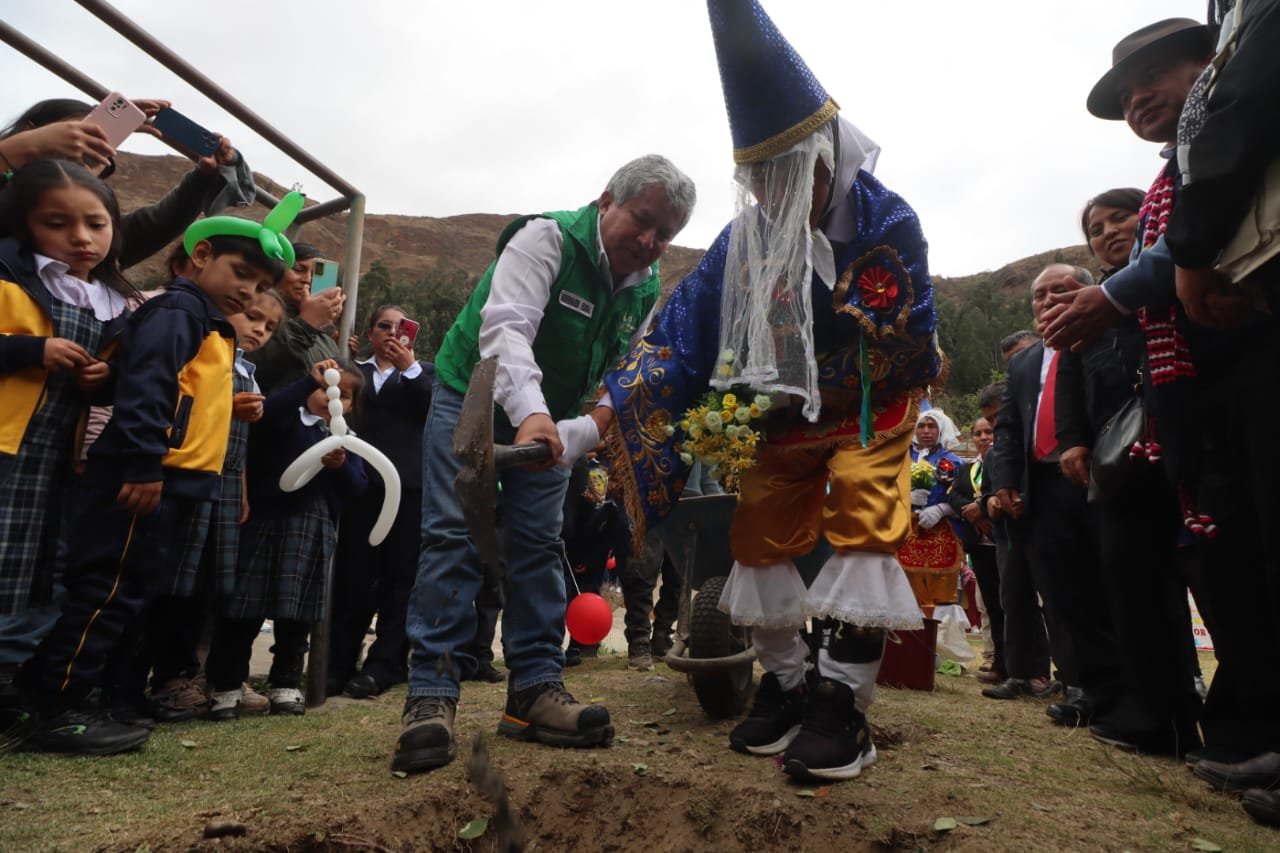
[711,635]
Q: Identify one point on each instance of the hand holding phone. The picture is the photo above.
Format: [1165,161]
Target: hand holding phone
[191,138]
[117,117]
[407,332]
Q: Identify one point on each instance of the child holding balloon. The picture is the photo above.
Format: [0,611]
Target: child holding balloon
[286,544]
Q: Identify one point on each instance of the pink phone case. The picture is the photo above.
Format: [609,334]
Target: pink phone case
[118,117]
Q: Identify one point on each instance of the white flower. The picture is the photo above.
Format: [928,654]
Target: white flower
[669,430]
[762,402]
[686,458]
[727,356]
[714,422]
[742,414]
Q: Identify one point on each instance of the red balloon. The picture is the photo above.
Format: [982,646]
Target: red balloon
[588,618]
[611,563]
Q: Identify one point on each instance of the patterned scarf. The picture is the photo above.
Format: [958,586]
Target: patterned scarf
[1169,371]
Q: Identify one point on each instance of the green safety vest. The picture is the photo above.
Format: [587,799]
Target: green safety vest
[586,327]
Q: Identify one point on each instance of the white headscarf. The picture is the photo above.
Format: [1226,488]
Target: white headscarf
[948,435]
[766,314]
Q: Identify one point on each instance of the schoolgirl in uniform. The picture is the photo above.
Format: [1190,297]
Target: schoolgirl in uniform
[286,545]
[61,299]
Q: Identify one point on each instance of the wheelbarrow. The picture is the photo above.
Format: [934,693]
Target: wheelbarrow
[715,654]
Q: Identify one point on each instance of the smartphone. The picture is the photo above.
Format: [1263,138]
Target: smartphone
[407,332]
[117,117]
[193,139]
[324,275]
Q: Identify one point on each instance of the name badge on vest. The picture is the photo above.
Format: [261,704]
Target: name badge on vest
[576,304]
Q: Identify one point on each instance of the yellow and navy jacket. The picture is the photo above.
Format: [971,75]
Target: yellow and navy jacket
[173,395]
[26,322]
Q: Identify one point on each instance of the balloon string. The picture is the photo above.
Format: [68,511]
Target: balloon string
[564,555]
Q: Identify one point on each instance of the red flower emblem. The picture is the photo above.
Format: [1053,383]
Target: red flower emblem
[878,288]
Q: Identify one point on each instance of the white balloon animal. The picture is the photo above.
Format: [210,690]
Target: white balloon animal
[308,464]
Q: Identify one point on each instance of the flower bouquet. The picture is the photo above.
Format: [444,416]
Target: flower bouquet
[923,475]
[719,430]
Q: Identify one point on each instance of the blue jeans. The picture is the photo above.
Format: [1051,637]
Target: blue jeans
[442,618]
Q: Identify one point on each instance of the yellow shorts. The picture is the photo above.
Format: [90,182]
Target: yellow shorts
[784,506]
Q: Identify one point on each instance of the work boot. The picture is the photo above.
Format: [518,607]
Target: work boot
[639,656]
[81,730]
[427,739]
[834,742]
[660,644]
[253,702]
[773,721]
[547,713]
[180,699]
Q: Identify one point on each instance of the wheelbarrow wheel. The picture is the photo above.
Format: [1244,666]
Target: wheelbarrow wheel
[711,635]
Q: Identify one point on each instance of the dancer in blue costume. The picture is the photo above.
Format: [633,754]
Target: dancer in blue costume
[818,293]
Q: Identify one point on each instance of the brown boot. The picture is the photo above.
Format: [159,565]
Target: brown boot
[547,713]
[427,739]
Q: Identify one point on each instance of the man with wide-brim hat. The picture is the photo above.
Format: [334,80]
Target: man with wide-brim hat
[817,295]
[1161,41]
[1201,403]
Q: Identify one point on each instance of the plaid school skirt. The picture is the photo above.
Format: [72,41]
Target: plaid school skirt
[284,565]
[209,542]
[32,495]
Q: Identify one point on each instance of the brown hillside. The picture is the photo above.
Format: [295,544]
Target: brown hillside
[406,245]
[410,245]
[1015,278]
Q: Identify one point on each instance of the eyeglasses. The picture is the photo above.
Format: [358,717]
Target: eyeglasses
[385,325]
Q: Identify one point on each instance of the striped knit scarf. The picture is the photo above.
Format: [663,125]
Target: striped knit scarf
[1168,364]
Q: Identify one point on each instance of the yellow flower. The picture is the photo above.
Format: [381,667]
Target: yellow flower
[730,401]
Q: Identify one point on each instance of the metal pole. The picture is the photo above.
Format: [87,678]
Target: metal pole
[351,270]
[113,18]
[52,62]
[324,208]
[318,658]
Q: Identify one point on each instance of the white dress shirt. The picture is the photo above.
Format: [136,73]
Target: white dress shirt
[518,296]
[380,376]
[105,303]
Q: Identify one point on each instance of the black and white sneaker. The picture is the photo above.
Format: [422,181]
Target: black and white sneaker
[834,742]
[773,721]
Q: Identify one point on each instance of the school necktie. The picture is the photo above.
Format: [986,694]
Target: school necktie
[1046,429]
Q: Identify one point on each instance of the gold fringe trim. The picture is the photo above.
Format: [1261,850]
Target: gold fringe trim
[620,462]
[780,142]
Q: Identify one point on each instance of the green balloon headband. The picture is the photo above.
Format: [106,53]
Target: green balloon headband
[270,234]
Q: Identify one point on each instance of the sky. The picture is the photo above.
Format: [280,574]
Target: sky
[436,108]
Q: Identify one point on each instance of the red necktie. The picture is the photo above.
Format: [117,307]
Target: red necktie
[1046,431]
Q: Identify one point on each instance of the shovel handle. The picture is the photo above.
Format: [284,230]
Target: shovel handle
[513,455]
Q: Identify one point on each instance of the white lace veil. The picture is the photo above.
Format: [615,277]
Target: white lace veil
[765,310]
[766,316]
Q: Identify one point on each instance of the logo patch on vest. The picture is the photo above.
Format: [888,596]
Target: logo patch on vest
[576,304]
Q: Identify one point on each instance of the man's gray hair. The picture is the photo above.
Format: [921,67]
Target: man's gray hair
[1080,274]
[629,181]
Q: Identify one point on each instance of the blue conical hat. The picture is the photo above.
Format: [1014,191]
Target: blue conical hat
[773,99]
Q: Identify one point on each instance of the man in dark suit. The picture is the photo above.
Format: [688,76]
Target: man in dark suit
[1142,572]
[377,579]
[1029,483]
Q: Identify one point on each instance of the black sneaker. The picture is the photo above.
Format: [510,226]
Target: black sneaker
[363,685]
[547,713]
[427,740]
[84,731]
[834,741]
[773,721]
[487,673]
[660,644]
[640,656]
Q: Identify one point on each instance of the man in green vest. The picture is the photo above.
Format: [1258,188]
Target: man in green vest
[565,299]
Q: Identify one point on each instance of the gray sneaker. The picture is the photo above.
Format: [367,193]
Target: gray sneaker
[547,713]
[640,656]
[427,740]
